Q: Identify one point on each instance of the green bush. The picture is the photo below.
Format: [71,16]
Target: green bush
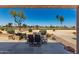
[30,30]
[43,32]
[10,31]
[2,28]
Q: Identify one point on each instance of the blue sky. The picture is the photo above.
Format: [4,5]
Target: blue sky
[40,16]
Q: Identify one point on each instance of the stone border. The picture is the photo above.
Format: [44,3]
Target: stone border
[65,42]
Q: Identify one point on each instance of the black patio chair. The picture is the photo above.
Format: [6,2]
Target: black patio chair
[30,39]
[37,40]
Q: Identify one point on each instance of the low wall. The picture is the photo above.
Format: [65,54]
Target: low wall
[65,42]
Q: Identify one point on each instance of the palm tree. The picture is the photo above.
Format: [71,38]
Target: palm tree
[18,17]
[60,18]
[57,16]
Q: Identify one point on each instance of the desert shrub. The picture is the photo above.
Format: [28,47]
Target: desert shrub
[53,38]
[48,35]
[54,29]
[30,30]
[74,32]
[74,38]
[18,34]
[10,31]
[2,28]
[0,32]
[43,32]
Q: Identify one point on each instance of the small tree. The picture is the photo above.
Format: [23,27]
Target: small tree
[37,26]
[9,24]
[18,17]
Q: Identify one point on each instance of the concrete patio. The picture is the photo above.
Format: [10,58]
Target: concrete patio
[23,48]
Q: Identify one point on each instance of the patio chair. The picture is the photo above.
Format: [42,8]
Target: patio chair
[44,39]
[30,39]
[37,40]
